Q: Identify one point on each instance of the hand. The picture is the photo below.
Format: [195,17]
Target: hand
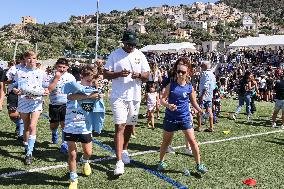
[124,73]
[58,74]
[135,75]
[46,92]
[17,91]
[172,107]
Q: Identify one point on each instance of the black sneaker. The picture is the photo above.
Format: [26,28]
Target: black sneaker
[28,159]
[20,138]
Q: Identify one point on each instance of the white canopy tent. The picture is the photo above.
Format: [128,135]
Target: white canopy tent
[263,40]
[171,48]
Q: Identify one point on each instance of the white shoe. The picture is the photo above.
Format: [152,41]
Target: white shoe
[234,117]
[119,170]
[282,127]
[170,150]
[125,157]
[248,118]
[188,151]
[274,125]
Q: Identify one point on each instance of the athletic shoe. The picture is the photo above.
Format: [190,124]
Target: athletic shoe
[170,150]
[119,170]
[161,166]
[274,125]
[133,136]
[20,138]
[201,168]
[73,184]
[64,148]
[234,117]
[282,127]
[28,159]
[188,151]
[54,138]
[125,157]
[86,169]
[249,118]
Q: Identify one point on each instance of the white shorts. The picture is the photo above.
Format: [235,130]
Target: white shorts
[125,111]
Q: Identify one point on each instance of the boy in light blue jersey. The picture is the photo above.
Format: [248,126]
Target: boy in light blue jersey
[76,128]
[58,100]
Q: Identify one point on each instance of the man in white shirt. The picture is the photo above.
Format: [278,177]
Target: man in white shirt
[126,67]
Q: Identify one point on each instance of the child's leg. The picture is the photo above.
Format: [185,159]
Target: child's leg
[148,117]
[72,155]
[87,149]
[32,128]
[189,134]
[26,119]
[152,119]
[167,139]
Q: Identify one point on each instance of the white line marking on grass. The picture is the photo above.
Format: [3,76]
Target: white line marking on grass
[51,167]
[133,154]
[212,142]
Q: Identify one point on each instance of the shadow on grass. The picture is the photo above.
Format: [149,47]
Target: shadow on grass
[276,141]
[38,179]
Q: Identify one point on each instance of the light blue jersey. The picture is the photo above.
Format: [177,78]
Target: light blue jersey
[56,97]
[207,83]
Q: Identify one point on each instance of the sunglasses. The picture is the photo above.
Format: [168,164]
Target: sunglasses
[181,71]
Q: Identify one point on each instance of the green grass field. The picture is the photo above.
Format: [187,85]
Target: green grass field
[229,162]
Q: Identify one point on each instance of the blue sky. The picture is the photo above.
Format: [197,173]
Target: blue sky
[48,11]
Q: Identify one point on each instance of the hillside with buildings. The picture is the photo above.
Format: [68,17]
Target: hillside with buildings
[198,23]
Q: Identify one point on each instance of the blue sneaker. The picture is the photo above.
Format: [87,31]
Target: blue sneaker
[201,168]
[161,166]
[64,148]
[54,138]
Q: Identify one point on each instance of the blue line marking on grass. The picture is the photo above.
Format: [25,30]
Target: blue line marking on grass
[143,166]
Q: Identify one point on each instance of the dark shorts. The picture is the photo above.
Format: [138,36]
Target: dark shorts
[83,138]
[206,104]
[262,90]
[12,101]
[57,113]
[171,126]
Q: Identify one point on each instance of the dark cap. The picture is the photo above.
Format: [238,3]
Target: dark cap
[129,37]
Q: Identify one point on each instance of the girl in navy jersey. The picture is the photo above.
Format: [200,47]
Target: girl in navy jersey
[177,97]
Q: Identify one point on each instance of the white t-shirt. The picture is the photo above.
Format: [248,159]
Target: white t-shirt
[262,83]
[56,97]
[151,100]
[126,88]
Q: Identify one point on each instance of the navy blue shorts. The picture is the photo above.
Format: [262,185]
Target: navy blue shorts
[171,126]
[206,104]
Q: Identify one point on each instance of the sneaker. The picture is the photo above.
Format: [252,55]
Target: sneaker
[248,118]
[73,184]
[170,150]
[274,125]
[161,166]
[188,151]
[64,148]
[125,157]
[54,138]
[133,136]
[86,169]
[234,117]
[282,127]
[20,138]
[119,170]
[201,168]
[28,159]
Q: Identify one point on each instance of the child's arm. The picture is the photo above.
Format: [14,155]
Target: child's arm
[165,96]
[82,96]
[194,102]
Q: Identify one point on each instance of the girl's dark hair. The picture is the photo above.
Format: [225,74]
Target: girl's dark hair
[181,61]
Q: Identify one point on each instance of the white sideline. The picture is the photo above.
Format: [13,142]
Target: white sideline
[133,154]
[211,142]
